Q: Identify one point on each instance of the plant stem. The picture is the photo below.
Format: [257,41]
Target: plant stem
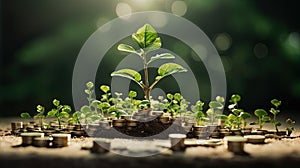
[275,123]
[260,122]
[146,88]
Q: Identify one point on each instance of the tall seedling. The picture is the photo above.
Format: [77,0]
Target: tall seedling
[148,40]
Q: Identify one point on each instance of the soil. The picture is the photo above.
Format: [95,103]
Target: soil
[273,153]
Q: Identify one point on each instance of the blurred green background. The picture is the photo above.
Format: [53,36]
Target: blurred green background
[258,41]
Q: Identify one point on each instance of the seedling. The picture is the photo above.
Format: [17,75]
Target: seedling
[130,103]
[144,105]
[290,127]
[275,111]
[199,114]
[148,40]
[117,108]
[215,109]
[173,105]
[88,113]
[106,99]
[40,115]
[232,122]
[60,112]
[184,104]
[159,104]
[239,121]
[262,116]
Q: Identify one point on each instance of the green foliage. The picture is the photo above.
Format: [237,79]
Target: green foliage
[174,104]
[199,115]
[25,115]
[290,127]
[235,98]
[147,39]
[215,109]
[169,69]
[159,104]
[128,73]
[131,105]
[60,112]
[275,111]
[262,116]
[240,114]
[40,114]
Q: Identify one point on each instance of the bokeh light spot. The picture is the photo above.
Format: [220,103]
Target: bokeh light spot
[123,10]
[260,50]
[179,8]
[294,40]
[223,41]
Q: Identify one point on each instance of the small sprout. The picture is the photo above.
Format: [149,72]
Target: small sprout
[262,118]
[276,103]
[235,98]
[215,109]
[175,104]
[40,115]
[105,88]
[275,111]
[240,114]
[25,115]
[90,85]
[220,99]
[198,113]
[59,112]
[290,127]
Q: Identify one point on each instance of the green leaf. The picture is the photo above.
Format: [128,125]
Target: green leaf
[127,48]
[56,102]
[132,94]
[274,111]
[52,113]
[276,102]
[25,115]
[215,104]
[104,105]
[237,111]
[169,69]
[235,98]
[95,103]
[128,73]
[63,114]
[161,56]
[40,109]
[104,88]
[278,124]
[66,109]
[169,96]
[245,115]
[266,118]
[89,85]
[155,45]
[145,36]
[85,109]
[220,99]
[260,112]
[290,121]
[177,96]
